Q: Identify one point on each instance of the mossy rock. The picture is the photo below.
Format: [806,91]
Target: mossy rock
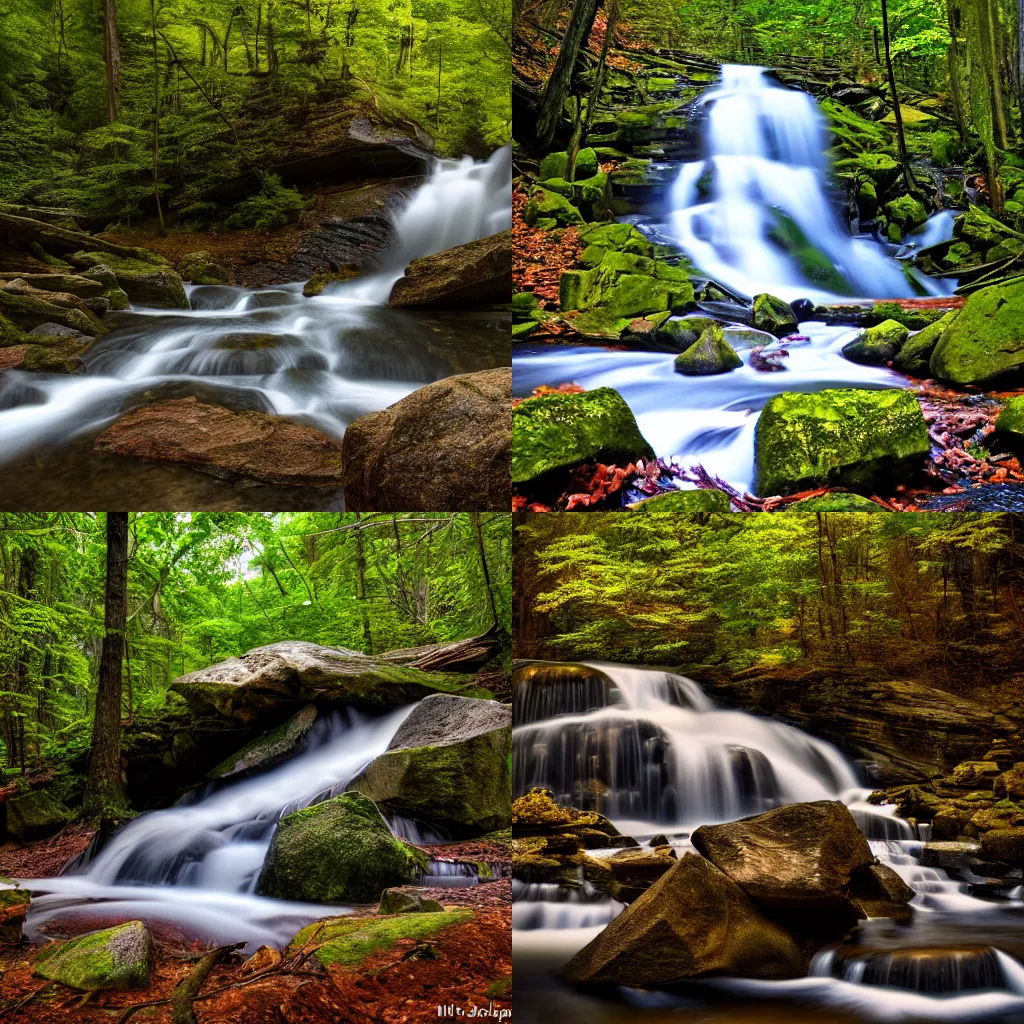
[114,958]
[558,432]
[878,345]
[549,209]
[616,237]
[701,500]
[14,905]
[853,438]
[1010,425]
[907,211]
[709,356]
[773,315]
[881,168]
[677,335]
[338,851]
[269,749]
[853,134]
[580,190]
[36,815]
[912,117]
[30,311]
[349,941]
[146,284]
[319,281]
[867,200]
[914,356]
[836,502]
[200,268]
[524,330]
[986,340]
[112,291]
[397,901]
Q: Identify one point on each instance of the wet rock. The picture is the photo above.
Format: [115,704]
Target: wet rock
[1011,783]
[878,345]
[229,445]
[878,891]
[36,815]
[338,851]
[693,922]
[150,284]
[557,432]
[946,969]
[476,274]
[850,437]
[200,268]
[114,958]
[112,291]
[677,335]
[398,901]
[1004,845]
[14,904]
[449,763]
[31,309]
[709,356]
[773,315]
[915,355]
[537,812]
[974,774]
[58,332]
[447,445]
[659,840]
[907,212]
[319,281]
[635,871]
[701,500]
[269,749]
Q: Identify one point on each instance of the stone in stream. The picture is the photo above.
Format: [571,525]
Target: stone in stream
[635,871]
[271,748]
[14,904]
[475,274]
[878,891]
[449,763]
[1004,845]
[199,268]
[322,278]
[112,291]
[398,901]
[338,851]
[845,437]
[710,355]
[986,341]
[152,284]
[114,958]
[447,445]
[693,922]
[915,355]
[229,445]
[677,335]
[774,316]
[906,212]
[31,308]
[878,345]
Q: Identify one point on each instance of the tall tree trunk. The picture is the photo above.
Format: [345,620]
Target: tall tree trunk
[156,117]
[361,591]
[556,89]
[584,117]
[484,568]
[898,113]
[113,56]
[104,791]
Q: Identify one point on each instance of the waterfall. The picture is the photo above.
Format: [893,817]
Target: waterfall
[193,868]
[324,361]
[755,213]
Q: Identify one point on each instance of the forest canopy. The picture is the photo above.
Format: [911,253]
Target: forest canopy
[206,586]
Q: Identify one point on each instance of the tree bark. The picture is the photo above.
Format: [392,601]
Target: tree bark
[898,113]
[104,791]
[484,568]
[586,115]
[112,45]
[156,118]
[361,592]
[557,87]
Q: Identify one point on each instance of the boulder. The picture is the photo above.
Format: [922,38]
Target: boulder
[271,748]
[447,445]
[1010,425]
[878,345]
[835,502]
[476,274]
[265,679]
[36,815]
[320,280]
[796,858]
[29,310]
[114,958]
[705,499]
[558,431]
[974,775]
[200,268]
[338,851]
[915,354]
[549,210]
[907,212]
[399,901]
[1011,783]
[849,437]
[449,764]
[677,335]
[986,341]
[112,291]
[146,284]
[555,165]
[694,922]
[877,891]
[1004,845]
[635,871]
[14,904]
[231,445]
[710,355]
[625,285]
[773,315]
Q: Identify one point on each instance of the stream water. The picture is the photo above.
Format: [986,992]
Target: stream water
[192,870]
[666,759]
[323,361]
[752,213]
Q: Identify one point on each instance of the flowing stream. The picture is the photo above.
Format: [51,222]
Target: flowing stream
[664,759]
[323,361]
[757,214]
[192,870]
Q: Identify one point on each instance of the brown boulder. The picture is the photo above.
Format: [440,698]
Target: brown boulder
[476,274]
[878,891]
[635,871]
[1005,845]
[30,308]
[447,447]
[1011,783]
[229,445]
[797,857]
[694,922]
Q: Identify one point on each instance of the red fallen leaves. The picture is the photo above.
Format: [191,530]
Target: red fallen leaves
[605,481]
[538,256]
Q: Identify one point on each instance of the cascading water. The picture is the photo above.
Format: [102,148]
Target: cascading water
[324,361]
[193,868]
[652,752]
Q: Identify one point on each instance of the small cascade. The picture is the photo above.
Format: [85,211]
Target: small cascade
[450,874]
[935,971]
[543,905]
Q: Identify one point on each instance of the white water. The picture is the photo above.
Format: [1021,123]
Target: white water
[194,867]
[653,738]
[336,357]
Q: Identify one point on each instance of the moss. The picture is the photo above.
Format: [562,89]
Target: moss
[524,330]
[546,209]
[912,117]
[906,211]
[350,941]
[114,958]
[560,431]
[913,358]
[877,345]
[620,237]
[580,190]
[500,989]
[853,134]
[36,815]
[338,851]
[702,500]
[867,200]
[12,334]
[848,437]
[913,317]
[881,168]
[836,502]
[986,340]
[318,282]
[29,311]
[709,356]
[773,315]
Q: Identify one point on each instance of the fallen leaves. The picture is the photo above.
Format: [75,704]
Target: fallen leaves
[539,256]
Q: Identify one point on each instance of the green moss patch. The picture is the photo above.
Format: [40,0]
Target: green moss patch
[114,958]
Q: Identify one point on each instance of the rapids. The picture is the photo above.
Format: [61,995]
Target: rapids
[655,754]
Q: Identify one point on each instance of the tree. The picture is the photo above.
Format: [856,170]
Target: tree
[112,50]
[895,96]
[556,89]
[104,793]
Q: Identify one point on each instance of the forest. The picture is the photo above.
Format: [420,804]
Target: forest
[807,217]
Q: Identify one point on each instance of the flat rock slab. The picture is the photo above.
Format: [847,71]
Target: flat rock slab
[475,274]
[230,445]
[442,718]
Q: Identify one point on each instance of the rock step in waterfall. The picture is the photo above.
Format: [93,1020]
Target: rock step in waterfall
[829,900]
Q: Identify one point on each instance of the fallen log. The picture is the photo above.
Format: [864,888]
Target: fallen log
[54,239]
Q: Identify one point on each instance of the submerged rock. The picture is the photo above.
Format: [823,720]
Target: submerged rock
[849,437]
[878,345]
[114,958]
[447,445]
[559,431]
[693,922]
[709,356]
[773,315]
[152,284]
[475,274]
[338,851]
[449,763]
[230,445]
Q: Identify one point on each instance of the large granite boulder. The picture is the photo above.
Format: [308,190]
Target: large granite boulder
[449,763]
[694,922]
[271,748]
[476,274]
[338,851]
[445,446]
[114,958]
